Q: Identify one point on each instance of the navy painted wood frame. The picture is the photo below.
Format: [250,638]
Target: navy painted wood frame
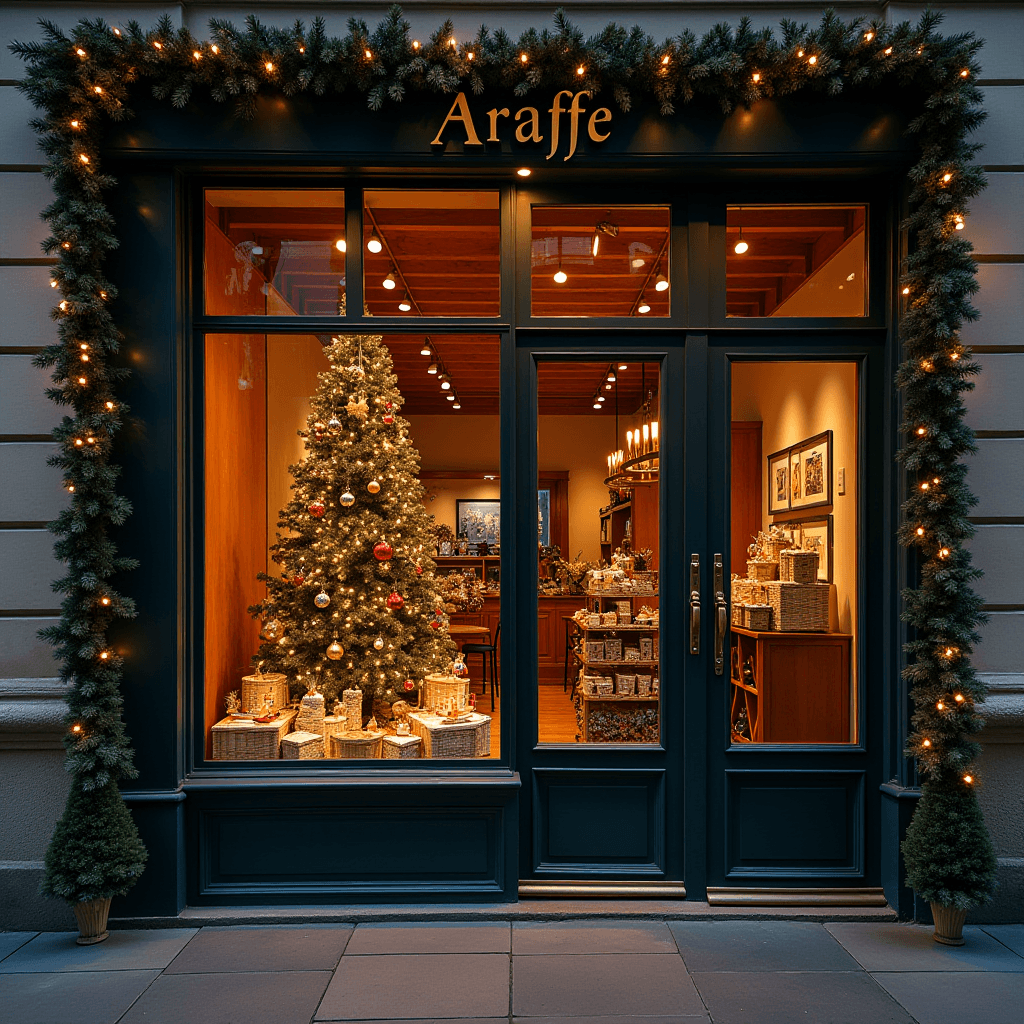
[220,829]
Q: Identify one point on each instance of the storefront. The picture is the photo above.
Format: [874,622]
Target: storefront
[596,404]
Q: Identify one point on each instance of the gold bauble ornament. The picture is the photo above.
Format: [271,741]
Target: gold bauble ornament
[335,651]
[373,486]
[379,643]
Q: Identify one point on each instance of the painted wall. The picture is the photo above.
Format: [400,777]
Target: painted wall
[31,705]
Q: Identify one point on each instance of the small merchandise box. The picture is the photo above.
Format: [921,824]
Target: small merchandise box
[594,650]
[400,748]
[624,685]
[301,746]
[613,650]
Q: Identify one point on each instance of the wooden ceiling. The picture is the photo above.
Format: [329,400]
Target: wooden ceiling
[786,246]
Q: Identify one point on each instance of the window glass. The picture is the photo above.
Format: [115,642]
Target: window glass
[591,261]
[793,553]
[598,539]
[274,252]
[431,253]
[340,583]
[796,261]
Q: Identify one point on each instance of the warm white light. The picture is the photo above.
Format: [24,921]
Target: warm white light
[623,366]
[450,396]
[611,375]
[374,244]
[756,76]
[523,57]
[812,60]
[595,245]
[600,398]
[269,66]
[644,307]
[661,283]
[426,350]
[581,70]
[389,282]
[524,172]
[404,304]
[432,368]
[868,36]
[597,405]
[340,245]
[369,54]
[561,276]
[456,404]
[637,263]
[740,247]
[446,384]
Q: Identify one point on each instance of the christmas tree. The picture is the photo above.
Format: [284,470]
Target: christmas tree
[355,605]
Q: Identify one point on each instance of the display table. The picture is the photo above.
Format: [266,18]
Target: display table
[471,738]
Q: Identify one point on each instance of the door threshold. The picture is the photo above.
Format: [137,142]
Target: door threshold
[589,889]
[735,896]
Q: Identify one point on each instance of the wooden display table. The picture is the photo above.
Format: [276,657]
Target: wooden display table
[801,691]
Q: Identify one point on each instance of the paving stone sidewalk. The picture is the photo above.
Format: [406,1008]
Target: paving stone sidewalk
[534,972]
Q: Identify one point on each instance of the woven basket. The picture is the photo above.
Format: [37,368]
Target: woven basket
[763,571]
[773,547]
[439,689]
[235,740]
[356,744]
[799,607]
[757,617]
[256,687]
[311,714]
[401,747]
[798,566]
[466,739]
[301,746]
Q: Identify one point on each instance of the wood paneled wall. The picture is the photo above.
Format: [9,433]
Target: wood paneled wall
[235,527]
[744,491]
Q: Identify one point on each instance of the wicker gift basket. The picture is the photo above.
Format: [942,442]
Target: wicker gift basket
[257,687]
[764,571]
[245,740]
[301,745]
[799,607]
[471,738]
[439,689]
[401,748]
[797,566]
[757,617]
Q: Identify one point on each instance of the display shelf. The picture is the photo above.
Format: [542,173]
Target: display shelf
[619,661]
[634,627]
[612,698]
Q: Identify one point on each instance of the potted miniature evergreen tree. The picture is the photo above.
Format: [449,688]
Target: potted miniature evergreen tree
[94,855]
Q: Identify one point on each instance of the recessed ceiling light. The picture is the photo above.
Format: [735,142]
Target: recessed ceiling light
[524,172]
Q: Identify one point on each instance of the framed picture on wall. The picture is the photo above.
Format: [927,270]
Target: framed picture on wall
[810,467]
[815,534]
[478,520]
[778,482]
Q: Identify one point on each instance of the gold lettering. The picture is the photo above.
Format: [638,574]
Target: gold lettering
[494,115]
[574,116]
[600,116]
[460,112]
[556,113]
[532,123]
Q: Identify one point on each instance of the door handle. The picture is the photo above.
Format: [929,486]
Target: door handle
[721,615]
[695,604]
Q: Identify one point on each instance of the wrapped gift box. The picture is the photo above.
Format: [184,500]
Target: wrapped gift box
[470,738]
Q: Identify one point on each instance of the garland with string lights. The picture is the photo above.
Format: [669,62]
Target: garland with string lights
[82,79]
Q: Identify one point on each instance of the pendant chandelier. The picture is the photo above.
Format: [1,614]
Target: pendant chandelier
[637,464]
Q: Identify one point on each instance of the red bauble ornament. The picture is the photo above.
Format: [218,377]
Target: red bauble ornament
[419,569]
[382,551]
[435,624]
[409,684]
[388,418]
[316,508]
[298,579]
[395,601]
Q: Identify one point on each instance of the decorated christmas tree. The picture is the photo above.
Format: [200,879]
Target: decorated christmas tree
[354,606]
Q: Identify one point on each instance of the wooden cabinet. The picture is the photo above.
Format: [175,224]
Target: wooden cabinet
[486,568]
[801,689]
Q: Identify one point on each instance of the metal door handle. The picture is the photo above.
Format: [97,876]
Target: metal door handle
[721,615]
[695,604]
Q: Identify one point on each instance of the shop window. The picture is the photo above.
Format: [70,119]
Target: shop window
[339,584]
[431,253]
[598,532]
[599,261]
[793,553]
[796,261]
[274,252]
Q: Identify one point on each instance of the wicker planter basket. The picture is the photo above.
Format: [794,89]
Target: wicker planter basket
[763,571]
[471,738]
[256,687]
[798,566]
[356,744]
[799,607]
[949,924]
[91,916]
[242,740]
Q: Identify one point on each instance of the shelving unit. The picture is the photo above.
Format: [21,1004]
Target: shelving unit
[629,709]
[801,691]
[613,527]
[478,563]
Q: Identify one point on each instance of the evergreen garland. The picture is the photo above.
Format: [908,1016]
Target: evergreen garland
[82,79]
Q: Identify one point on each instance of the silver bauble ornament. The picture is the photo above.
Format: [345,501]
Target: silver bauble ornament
[348,499]
[322,600]
[272,630]
[378,644]
[334,423]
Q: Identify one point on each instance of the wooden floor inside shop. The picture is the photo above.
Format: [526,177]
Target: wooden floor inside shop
[556,713]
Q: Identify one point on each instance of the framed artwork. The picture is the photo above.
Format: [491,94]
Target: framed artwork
[815,534]
[778,482]
[811,472]
[478,520]
[800,476]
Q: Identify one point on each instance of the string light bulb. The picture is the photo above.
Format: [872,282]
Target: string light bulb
[959,698]
[81,53]
[968,779]
[906,291]
[523,58]
[426,350]
[415,44]
[83,157]
[76,728]
[868,36]
[944,553]
[96,89]
[158,44]
[888,51]
[812,59]
[581,70]
[432,368]
[940,706]
[965,73]
[946,177]
[456,404]
[919,531]
[215,49]
[756,76]
[445,381]
[105,601]
[269,66]
[921,431]
[76,123]
[369,54]
[926,743]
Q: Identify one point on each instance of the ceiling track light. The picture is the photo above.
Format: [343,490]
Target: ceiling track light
[611,375]
[389,282]
[456,404]
[446,382]
[426,350]
[603,227]
[404,304]
[432,368]
[644,306]
[740,247]
[661,283]
[373,243]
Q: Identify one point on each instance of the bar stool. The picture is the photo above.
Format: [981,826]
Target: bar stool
[487,652]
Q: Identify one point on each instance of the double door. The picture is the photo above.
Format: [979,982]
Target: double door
[754,766]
